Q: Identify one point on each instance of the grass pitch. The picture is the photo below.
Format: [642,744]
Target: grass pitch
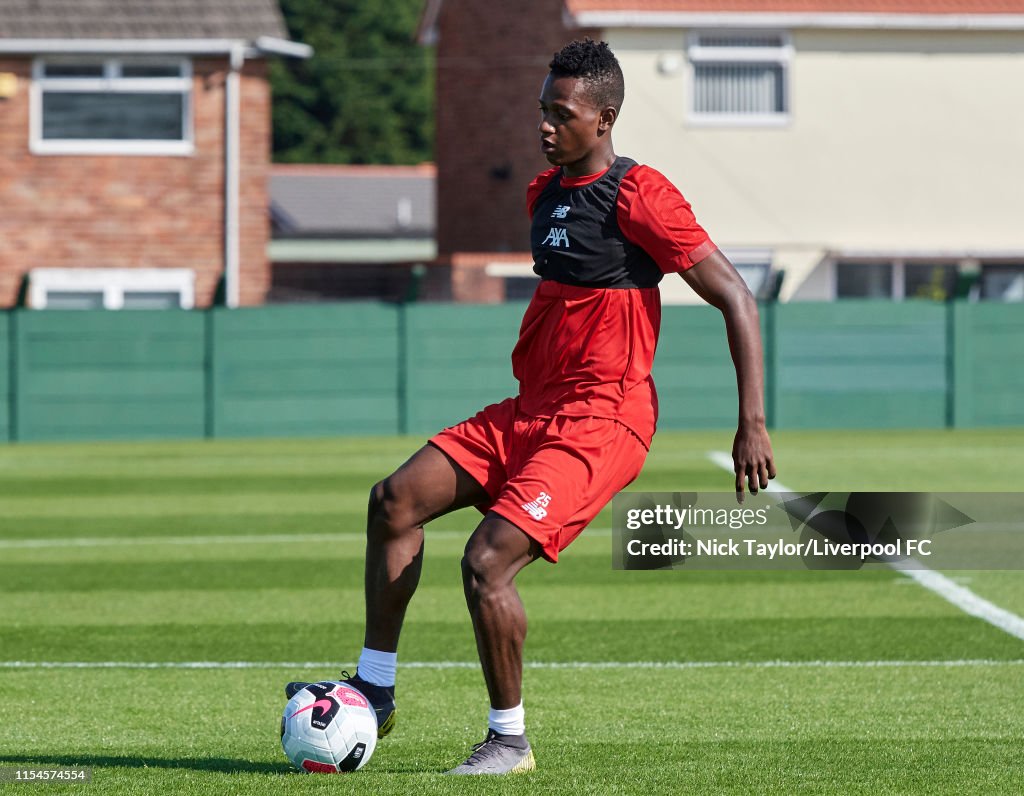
[147,556]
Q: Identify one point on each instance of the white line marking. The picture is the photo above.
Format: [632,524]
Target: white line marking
[960,596]
[817,664]
[285,538]
[963,598]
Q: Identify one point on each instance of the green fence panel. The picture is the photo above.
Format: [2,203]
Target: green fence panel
[6,404]
[305,371]
[108,375]
[693,372]
[382,369]
[458,359]
[988,367]
[861,364]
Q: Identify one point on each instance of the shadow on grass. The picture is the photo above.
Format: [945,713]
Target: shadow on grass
[220,764]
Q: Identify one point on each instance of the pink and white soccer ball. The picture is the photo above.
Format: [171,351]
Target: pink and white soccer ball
[328,728]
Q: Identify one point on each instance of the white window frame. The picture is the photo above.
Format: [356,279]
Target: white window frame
[113,283]
[700,54]
[113,82]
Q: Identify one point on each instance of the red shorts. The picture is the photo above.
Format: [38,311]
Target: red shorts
[548,476]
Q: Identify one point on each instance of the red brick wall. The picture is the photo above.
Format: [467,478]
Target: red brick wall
[491,61]
[254,212]
[62,211]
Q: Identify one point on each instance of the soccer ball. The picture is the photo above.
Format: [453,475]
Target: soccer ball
[328,728]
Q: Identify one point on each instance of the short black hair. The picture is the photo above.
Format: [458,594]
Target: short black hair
[597,66]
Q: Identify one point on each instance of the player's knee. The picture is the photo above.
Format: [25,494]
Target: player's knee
[387,512]
[375,506]
[482,567]
[376,497]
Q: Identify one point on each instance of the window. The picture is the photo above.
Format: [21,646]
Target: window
[74,300]
[1002,282]
[927,281]
[111,288]
[864,280]
[755,268]
[739,78]
[112,106]
[895,279]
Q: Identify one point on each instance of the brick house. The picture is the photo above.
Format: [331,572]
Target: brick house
[861,148]
[135,146]
[490,58]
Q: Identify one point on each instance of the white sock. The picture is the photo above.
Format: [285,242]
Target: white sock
[508,722]
[377,667]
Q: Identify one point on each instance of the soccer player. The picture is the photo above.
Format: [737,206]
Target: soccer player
[542,464]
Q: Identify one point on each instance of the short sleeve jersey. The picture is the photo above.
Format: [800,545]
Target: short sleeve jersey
[651,213]
[586,350]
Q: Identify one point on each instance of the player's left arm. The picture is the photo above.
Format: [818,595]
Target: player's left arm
[654,215]
[716,281]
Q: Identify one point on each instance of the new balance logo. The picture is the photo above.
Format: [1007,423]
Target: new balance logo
[556,237]
[538,508]
[560,212]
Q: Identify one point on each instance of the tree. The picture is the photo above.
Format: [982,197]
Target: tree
[366,95]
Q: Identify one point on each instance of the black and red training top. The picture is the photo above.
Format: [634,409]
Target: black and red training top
[601,244]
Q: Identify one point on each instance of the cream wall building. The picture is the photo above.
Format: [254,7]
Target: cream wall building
[875,154]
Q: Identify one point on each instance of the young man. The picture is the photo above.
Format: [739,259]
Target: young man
[541,465]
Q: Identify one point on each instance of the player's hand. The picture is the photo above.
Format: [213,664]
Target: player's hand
[753,460]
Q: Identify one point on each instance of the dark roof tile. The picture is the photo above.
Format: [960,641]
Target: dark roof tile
[352,201]
[140,19]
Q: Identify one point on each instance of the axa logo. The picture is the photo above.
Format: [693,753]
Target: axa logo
[538,508]
[560,212]
[557,237]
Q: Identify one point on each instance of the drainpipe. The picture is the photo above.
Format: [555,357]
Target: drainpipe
[232,136]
